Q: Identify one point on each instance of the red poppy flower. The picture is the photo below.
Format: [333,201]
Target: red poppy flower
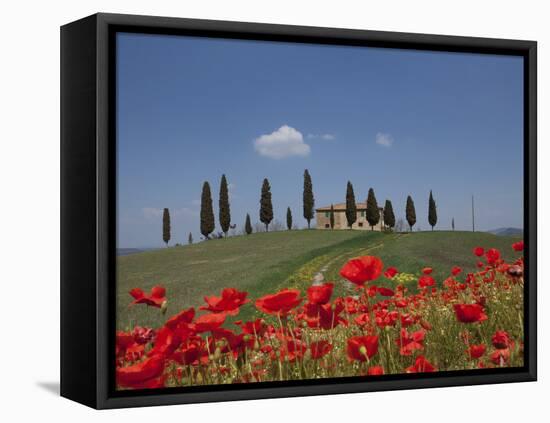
[371,290]
[501,340]
[143,335]
[185,316]
[375,371]
[427,270]
[402,303]
[421,365]
[492,255]
[390,272]
[479,251]
[209,322]
[362,269]
[518,246]
[187,355]
[320,294]
[425,281]
[165,343]
[319,349]
[455,270]
[409,343]
[123,341]
[292,349]
[351,305]
[385,318]
[256,327]
[362,319]
[500,357]
[228,303]
[324,316]
[127,348]
[155,299]
[386,292]
[476,351]
[469,313]
[280,303]
[235,343]
[407,320]
[141,374]
[362,348]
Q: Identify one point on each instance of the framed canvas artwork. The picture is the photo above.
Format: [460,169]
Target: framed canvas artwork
[256,211]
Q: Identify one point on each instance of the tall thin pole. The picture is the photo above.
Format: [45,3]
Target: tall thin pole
[473,217]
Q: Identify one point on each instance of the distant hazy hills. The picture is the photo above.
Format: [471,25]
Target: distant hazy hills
[507,231]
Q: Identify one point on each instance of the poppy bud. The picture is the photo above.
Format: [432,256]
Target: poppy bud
[217,353]
[426,325]
[164,307]
[256,345]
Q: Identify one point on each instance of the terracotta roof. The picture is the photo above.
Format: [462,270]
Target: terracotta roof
[342,207]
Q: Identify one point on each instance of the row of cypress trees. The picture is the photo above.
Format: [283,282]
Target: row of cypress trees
[207,221]
[373,214]
[266,205]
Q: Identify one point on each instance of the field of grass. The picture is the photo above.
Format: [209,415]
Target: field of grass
[265,262]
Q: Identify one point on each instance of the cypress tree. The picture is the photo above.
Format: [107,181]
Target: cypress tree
[432,211]
[389,217]
[248,225]
[224,211]
[207,213]
[331,216]
[453,224]
[266,207]
[288,219]
[410,212]
[308,199]
[373,214]
[351,207]
[166,226]
[190,238]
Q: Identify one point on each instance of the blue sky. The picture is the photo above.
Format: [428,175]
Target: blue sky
[400,121]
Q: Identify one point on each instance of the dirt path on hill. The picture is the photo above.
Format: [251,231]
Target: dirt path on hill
[319,277]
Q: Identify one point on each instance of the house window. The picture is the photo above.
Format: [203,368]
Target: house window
[327,226]
[362,214]
[360,224]
[327,214]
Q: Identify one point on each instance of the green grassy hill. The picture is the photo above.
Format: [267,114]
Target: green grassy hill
[265,262]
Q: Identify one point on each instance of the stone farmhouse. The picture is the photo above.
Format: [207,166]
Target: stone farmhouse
[340,221]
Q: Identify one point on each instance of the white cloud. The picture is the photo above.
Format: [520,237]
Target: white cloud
[284,142]
[385,140]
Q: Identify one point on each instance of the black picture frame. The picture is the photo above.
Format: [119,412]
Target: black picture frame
[88,212]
